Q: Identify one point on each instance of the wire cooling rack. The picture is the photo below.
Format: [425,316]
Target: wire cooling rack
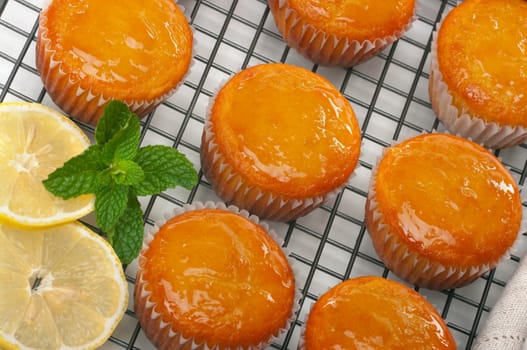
[389,95]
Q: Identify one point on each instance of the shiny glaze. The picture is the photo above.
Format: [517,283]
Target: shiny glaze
[219,277]
[287,129]
[369,313]
[449,199]
[119,43]
[482,54]
[361,19]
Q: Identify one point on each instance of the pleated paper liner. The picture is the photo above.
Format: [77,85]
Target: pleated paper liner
[232,188]
[463,122]
[78,98]
[407,263]
[167,336]
[328,49]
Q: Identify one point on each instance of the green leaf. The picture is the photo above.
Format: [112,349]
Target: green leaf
[77,176]
[123,145]
[110,203]
[164,167]
[115,116]
[127,172]
[115,170]
[105,177]
[127,235]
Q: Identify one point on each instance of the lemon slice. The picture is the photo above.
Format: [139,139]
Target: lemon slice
[61,288]
[34,141]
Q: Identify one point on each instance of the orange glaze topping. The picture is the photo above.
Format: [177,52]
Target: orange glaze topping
[449,199]
[220,278]
[357,19]
[287,130]
[134,49]
[375,313]
[482,54]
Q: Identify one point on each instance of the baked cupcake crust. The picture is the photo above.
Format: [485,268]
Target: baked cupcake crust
[442,210]
[138,54]
[482,55]
[278,140]
[357,20]
[213,277]
[374,313]
[286,129]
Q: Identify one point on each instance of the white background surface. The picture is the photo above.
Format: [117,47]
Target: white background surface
[390,97]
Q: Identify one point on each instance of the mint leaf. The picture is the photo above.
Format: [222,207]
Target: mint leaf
[105,177]
[77,176]
[110,203]
[164,167]
[113,119]
[127,172]
[123,145]
[127,235]
[116,170]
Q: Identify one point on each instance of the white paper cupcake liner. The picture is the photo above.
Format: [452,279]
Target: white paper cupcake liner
[234,189]
[77,98]
[409,264]
[464,122]
[162,333]
[328,49]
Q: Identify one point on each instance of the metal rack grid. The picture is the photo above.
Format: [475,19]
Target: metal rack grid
[389,95]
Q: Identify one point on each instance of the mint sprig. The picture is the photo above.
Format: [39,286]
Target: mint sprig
[116,170]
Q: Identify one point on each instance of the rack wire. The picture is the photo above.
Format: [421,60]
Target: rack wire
[389,95]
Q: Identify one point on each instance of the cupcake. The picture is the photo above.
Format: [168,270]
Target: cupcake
[478,75]
[341,33]
[441,210]
[278,141]
[212,277]
[374,313]
[93,51]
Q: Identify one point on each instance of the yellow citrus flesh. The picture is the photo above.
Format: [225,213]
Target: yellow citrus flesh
[34,141]
[62,288]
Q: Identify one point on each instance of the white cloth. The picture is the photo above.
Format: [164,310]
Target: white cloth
[506,326]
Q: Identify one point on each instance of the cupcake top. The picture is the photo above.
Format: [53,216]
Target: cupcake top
[482,55]
[219,278]
[136,49]
[449,199]
[357,19]
[287,130]
[375,313]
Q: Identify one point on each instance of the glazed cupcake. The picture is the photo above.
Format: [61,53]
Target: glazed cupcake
[212,277]
[478,75]
[374,313]
[442,210]
[278,141]
[341,33]
[93,51]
